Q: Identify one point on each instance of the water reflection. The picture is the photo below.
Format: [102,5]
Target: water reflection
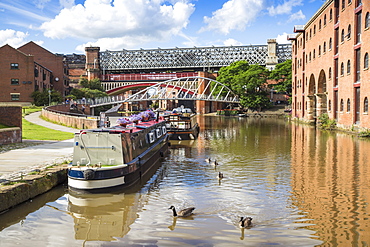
[330,181]
[301,186]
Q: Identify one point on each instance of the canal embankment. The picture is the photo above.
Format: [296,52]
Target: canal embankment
[33,170]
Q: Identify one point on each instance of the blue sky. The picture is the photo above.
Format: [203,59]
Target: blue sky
[67,26]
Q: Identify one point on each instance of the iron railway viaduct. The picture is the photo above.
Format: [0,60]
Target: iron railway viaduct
[130,70]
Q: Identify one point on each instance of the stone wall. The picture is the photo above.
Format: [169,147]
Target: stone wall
[11,116]
[74,121]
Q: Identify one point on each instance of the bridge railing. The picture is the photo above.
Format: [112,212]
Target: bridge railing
[146,77]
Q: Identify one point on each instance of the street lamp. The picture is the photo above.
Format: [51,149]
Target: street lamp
[49,97]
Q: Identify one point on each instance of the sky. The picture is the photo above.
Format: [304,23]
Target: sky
[68,26]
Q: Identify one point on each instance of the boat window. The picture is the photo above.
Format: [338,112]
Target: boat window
[159,132]
[151,137]
[164,130]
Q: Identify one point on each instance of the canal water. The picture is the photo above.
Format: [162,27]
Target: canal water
[301,186]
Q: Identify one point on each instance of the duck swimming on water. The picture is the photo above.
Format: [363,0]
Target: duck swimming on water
[220,175]
[245,222]
[182,213]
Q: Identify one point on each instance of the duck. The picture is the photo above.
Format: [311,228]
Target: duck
[208,160]
[220,175]
[214,163]
[245,222]
[182,213]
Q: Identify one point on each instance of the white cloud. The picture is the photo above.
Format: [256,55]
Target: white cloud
[119,24]
[67,3]
[282,39]
[232,42]
[12,38]
[285,8]
[234,15]
[297,16]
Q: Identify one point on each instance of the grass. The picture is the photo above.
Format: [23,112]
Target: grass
[36,132]
[3,126]
[30,109]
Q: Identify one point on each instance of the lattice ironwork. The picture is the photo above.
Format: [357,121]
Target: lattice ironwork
[284,52]
[197,57]
[187,88]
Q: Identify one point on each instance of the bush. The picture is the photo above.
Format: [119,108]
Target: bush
[326,123]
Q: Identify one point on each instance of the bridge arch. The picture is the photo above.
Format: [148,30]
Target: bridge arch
[207,93]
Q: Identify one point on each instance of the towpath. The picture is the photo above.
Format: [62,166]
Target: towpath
[22,161]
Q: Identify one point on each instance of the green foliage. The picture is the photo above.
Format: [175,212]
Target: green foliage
[42,98]
[248,82]
[365,133]
[94,84]
[86,92]
[283,75]
[326,123]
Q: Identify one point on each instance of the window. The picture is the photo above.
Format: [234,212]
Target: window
[349,32]
[367,20]
[348,67]
[343,4]
[314,30]
[325,20]
[320,24]
[14,96]
[14,66]
[330,44]
[349,2]
[358,65]
[310,33]
[314,53]
[341,105]
[359,2]
[331,15]
[348,105]
[319,50]
[14,81]
[366,61]
[366,105]
[358,27]
[324,48]
[342,36]
[342,69]
[329,108]
[329,73]
[310,57]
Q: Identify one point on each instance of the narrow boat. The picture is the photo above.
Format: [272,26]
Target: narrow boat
[117,156]
[182,126]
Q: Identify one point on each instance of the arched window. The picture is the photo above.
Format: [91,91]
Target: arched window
[349,32]
[319,50]
[342,69]
[348,105]
[319,24]
[314,53]
[366,105]
[310,57]
[329,107]
[314,30]
[348,67]
[342,36]
[329,73]
[341,105]
[330,44]
[325,20]
[366,61]
[324,48]
[367,20]
[343,4]
[331,15]
[310,33]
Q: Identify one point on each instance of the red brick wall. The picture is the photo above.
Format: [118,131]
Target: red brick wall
[11,135]
[49,60]
[309,42]
[24,73]
[11,116]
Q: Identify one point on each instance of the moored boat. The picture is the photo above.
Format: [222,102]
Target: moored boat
[117,156]
[182,125]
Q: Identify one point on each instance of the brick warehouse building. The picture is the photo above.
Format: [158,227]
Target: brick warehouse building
[330,67]
[30,68]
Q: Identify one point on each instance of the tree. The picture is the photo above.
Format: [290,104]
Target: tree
[87,93]
[92,84]
[282,74]
[42,98]
[248,82]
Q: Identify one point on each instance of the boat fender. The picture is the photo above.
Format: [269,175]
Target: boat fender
[89,174]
